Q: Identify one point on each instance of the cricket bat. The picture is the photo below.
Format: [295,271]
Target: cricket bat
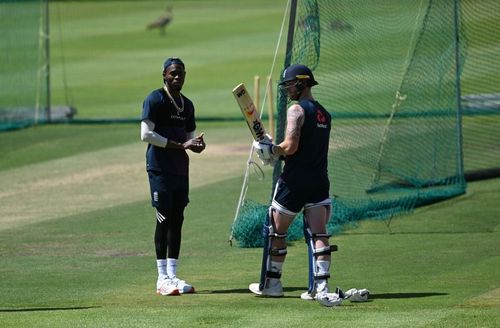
[250,112]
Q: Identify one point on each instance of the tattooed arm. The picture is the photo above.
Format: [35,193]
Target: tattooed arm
[294,122]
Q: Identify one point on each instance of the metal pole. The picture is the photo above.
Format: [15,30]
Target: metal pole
[460,155]
[291,30]
[281,97]
[47,61]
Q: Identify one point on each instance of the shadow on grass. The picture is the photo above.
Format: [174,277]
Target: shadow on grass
[388,232]
[294,289]
[50,309]
[404,295]
[246,290]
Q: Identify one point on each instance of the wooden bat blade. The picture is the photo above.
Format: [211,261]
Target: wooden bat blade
[250,112]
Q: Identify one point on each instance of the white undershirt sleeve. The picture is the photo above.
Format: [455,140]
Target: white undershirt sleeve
[150,136]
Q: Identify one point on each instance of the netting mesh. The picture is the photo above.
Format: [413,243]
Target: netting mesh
[390,73]
[22,90]
[480,84]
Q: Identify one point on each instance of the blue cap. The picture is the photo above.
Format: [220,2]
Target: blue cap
[298,72]
[171,61]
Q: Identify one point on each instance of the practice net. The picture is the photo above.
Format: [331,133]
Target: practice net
[22,59]
[389,72]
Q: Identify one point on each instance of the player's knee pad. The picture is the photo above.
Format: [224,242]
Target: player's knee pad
[314,253]
[269,233]
[311,237]
[272,236]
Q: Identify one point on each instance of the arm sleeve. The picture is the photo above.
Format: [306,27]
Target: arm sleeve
[150,136]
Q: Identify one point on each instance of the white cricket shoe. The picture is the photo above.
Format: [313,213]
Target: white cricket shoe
[357,295]
[271,289]
[306,296]
[182,286]
[166,287]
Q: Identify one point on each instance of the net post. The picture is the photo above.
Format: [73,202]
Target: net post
[281,97]
[460,155]
[270,106]
[256,90]
[46,34]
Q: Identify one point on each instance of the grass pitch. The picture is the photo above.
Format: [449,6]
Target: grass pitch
[93,265]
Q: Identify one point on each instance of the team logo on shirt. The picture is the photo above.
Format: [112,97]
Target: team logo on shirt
[321,119]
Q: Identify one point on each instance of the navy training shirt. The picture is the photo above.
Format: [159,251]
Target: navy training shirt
[310,161]
[171,124]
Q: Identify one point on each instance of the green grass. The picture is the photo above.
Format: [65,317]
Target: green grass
[103,55]
[50,142]
[95,267]
[105,61]
[60,141]
[76,225]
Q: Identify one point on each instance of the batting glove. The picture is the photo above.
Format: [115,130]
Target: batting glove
[355,295]
[267,138]
[264,151]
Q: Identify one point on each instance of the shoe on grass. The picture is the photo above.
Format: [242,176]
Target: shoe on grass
[182,286]
[271,288]
[166,287]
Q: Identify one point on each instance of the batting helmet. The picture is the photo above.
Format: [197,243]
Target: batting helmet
[298,72]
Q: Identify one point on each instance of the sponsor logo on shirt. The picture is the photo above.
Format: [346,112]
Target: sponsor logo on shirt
[320,120]
[177,117]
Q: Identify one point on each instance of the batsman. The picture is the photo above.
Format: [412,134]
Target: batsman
[302,186]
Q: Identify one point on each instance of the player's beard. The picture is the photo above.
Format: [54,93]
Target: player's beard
[174,87]
[295,95]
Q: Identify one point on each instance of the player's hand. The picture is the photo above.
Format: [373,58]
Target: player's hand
[264,151]
[197,144]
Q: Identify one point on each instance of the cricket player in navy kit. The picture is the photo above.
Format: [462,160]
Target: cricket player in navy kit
[303,185]
[168,126]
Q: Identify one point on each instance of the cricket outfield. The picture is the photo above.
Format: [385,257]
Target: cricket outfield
[76,224]
[82,254]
